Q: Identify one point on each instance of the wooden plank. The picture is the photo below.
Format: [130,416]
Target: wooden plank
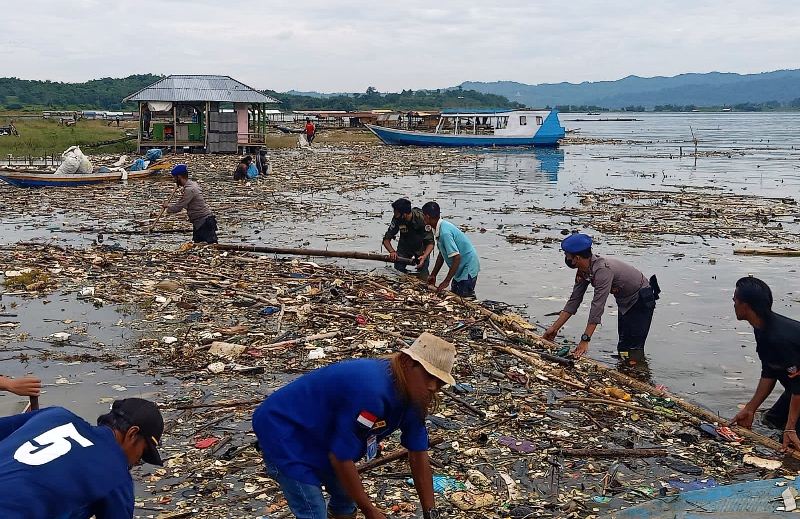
[767,251]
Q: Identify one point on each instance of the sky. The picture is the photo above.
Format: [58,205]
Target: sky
[349,45]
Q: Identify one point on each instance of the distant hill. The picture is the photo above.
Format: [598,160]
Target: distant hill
[106,93]
[711,89]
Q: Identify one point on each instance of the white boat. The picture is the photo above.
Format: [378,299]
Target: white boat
[482,128]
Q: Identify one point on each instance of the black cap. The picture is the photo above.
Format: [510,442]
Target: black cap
[145,415]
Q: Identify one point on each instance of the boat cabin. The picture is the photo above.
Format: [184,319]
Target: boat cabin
[510,123]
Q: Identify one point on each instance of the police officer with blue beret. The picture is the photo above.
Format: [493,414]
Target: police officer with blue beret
[635,295]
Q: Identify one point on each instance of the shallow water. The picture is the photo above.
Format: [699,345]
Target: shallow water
[83,383]
[696,347]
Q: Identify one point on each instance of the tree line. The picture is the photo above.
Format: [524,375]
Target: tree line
[107,94]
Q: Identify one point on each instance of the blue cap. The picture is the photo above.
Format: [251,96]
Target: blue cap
[180,169]
[575,243]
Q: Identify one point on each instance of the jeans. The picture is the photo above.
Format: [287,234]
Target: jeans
[422,271]
[778,414]
[465,287]
[207,231]
[306,501]
[634,325]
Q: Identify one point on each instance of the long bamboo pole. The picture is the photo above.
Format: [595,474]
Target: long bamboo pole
[315,252]
[621,378]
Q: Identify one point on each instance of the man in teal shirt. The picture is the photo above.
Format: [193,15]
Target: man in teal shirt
[456,250]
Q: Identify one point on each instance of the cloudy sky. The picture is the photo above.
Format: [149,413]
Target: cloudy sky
[348,45]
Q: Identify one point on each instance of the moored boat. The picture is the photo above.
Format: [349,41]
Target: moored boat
[458,128]
[38,178]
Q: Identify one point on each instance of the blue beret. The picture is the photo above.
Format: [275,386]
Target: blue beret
[180,169]
[575,243]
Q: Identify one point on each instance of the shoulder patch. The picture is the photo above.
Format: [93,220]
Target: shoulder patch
[428,228]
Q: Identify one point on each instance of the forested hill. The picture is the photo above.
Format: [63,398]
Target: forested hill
[405,100]
[107,94]
[780,88]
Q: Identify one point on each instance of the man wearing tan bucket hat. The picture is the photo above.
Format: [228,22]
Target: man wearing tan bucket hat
[314,430]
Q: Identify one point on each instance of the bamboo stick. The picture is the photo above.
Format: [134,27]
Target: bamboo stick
[315,252]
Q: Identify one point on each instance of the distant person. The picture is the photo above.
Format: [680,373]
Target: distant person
[53,464]
[242,167]
[416,238]
[117,119]
[204,223]
[635,295]
[22,386]
[778,348]
[311,131]
[455,250]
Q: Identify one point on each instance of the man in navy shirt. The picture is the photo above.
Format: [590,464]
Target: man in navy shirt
[313,430]
[54,465]
[778,348]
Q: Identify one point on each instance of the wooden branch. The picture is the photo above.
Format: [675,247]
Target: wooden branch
[315,252]
[393,456]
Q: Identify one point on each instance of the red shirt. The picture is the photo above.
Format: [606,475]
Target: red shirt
[310,128]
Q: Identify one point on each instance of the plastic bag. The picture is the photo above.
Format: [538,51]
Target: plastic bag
[139,165]
[153,154]
[252,171]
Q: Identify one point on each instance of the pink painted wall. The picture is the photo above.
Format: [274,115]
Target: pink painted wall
[241,118]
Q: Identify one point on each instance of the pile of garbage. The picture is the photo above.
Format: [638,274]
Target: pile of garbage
[524,432]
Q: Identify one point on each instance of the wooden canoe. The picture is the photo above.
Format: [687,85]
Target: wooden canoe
[34,178]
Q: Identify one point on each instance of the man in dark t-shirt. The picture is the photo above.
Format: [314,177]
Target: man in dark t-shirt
[416,238]
[778,348]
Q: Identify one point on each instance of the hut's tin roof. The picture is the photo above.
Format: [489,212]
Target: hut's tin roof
[200,88]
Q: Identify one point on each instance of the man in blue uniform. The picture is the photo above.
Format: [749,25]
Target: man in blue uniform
[416,238]
[54,465]
[456,251]
[313,430]
[778,348]
[635,295]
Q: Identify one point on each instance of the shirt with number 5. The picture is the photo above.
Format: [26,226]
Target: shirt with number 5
[55,465]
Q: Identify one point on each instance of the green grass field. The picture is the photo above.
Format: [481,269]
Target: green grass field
[40,137]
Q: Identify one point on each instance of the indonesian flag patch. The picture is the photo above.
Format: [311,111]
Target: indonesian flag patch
[367,419]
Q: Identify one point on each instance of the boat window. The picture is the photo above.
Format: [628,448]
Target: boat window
[523,120]
[500,122]
[539,120]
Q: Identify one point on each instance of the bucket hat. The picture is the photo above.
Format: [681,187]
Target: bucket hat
[436,355]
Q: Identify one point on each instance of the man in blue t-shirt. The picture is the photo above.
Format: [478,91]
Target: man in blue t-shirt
[312,431]
[456,250]
[54,465]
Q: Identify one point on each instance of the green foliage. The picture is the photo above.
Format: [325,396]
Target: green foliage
[405,100]
[105,94]
[39,137]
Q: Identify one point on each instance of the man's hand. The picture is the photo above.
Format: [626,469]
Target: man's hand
[393,255]
[24,386]
[373,513]
[790,440]
[550,334]
[744,418]
[442,286]
[582,348]
[431,279]
[421,260]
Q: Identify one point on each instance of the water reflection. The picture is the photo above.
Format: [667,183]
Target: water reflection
[550,161]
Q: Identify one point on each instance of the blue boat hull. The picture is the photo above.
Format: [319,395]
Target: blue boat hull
[548,135]
[751,499]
